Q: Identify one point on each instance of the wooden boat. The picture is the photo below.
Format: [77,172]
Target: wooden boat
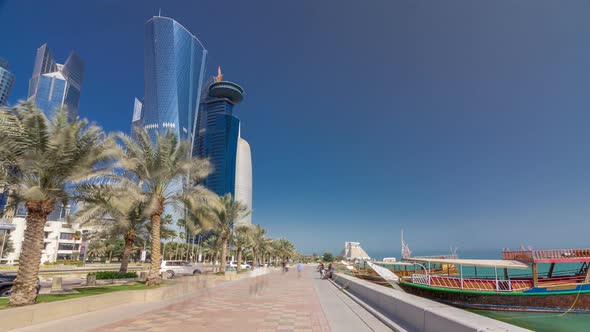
[548,292]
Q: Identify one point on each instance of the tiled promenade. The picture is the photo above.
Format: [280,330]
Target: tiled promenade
[272,302]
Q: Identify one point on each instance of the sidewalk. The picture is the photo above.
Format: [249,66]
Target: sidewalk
[274,302]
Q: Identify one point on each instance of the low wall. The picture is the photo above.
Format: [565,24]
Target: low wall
[414,313]
[43,312]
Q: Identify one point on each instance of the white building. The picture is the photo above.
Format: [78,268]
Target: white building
[353,251]
[61,240]
[244,178]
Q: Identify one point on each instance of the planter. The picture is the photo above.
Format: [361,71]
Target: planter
[122,281]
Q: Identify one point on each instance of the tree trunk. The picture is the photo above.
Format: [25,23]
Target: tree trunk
[129,240]
[239,254]
[24,290]
[254,261]
[154,277]
[223,253]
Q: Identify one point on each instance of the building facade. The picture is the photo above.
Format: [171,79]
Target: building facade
[174,70]
[218,138]
[54,85]
[6,81]
[62,240]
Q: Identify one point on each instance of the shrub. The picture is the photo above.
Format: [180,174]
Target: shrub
[65,262]
[102,275]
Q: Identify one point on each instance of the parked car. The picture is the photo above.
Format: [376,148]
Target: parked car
[6,282]
[234,265]
[174,268]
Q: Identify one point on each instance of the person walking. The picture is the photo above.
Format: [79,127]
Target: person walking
[299,269]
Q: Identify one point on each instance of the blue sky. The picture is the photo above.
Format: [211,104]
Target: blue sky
[463,122]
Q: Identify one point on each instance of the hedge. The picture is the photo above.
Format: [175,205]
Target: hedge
[102,275]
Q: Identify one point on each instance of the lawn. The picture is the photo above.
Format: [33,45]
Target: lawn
[82,292]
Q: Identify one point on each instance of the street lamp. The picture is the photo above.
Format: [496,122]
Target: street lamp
[56,246]
[199,258]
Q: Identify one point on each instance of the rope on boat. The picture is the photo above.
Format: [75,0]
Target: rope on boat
[573,304]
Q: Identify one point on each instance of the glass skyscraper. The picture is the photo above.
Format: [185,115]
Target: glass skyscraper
[218,138]
[174,70]
[6,82]
[53,85]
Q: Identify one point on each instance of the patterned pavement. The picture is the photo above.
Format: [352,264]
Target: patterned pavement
[273,302]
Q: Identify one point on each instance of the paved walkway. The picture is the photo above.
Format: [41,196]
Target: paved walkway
[273,302]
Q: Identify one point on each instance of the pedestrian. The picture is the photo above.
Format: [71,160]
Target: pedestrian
[321,270]
[299,269]
[329,272]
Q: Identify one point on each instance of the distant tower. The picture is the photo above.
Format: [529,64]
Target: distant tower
[137,115]
[174,69]
[219,139]
[6,82]
[53,85]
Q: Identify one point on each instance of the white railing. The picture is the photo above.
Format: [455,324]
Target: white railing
[472,284]
[421,279]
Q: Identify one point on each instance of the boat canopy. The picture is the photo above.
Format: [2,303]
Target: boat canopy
[549,256]
[501,263]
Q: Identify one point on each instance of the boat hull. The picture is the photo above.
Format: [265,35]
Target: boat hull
[537,300]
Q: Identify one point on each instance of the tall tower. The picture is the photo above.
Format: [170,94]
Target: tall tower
[218,138]
[174,70]
[243,190]
[6,83]
[54,85]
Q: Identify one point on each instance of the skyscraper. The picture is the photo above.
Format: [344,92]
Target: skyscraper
[137,115]
[6,82]
[243,190]
[174,70]
[54,85]
[218,138]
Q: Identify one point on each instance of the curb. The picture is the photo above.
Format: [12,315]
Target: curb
[391,324]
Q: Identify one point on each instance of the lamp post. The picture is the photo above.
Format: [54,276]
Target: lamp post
[199,258]
[56,246]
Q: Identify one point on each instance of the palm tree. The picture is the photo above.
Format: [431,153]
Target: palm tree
[242,239]
[258,243]
[96,249]
[285,249]
[118,208]
[40,159]
[160,169]
[211,247]
[221,217]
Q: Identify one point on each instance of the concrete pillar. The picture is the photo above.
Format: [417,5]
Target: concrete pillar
[56,284]
[91,280]
[164,275]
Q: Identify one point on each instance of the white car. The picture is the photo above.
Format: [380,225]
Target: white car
[174,268]
[235,265]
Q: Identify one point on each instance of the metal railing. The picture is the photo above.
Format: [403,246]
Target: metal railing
[472,284]
[421,279]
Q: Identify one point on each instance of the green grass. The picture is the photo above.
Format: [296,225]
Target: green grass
[45,298]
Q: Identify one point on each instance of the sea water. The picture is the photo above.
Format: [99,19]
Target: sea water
[542,322]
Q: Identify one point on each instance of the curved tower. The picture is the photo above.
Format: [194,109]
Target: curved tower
[218,138]
[243,191]
[174,68]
